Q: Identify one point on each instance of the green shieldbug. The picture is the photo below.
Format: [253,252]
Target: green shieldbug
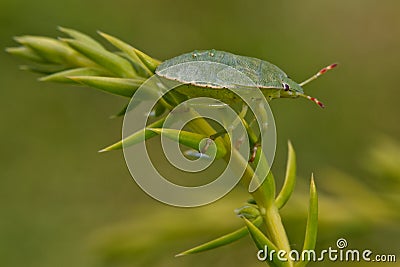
[271,80]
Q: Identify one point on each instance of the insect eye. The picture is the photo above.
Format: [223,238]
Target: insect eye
[285,86]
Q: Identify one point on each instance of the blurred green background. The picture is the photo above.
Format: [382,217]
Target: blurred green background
[62,204]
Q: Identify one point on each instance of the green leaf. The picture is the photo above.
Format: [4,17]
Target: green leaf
[26,53]
[253,139]
[290,178]
[158,109]
[266,191]
[262,241]
[81,37]
[54,51]
[221,241]
[129,51]
[63,76]
[310,238]
[136,137]
[121,112]
[112,62]
[116,86]
[150,62]
[43,68]
[196,141]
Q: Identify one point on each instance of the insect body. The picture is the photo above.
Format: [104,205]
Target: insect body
[203,81]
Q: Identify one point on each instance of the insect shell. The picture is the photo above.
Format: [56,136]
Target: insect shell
[203,81]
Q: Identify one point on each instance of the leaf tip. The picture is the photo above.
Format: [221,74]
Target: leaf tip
[61,29]
[9,49]
[63,39]
[290,145]
[103,34]
[18,39]
[107,149]
[313,187]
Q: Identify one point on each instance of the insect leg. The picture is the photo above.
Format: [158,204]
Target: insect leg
[319,73]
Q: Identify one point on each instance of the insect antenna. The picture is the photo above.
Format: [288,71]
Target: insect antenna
[319,73]
[316,101]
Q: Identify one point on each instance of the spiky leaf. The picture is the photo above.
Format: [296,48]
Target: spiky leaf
[63,76]
[117,86]
[136,137]
[290,178]
[221,241]
[310,238]
[110,61]
[129,51]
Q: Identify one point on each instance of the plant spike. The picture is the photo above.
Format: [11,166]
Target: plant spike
[290,178]
[81,37]
[130,52]
[319,73]
[221,241]
[261,241]
[310,238]
[136,137]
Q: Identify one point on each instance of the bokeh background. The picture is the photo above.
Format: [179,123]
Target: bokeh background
[63,204]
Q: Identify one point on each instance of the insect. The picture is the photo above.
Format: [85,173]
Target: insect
[271,80]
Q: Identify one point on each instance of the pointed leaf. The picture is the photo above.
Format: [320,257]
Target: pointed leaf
[186,138]
[159,109]
[263,242]
[290,178]
[221,241]
[54,51]
[43,68]
[150,62]
[112,62]
[310,238]
[136,137]
[252,136]
[116,86]
[63,76]
[81,37]
[129,51]
[26,53]
[193,140]
[121,112]
[266,190]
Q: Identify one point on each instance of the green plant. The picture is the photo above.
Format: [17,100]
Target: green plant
[79,59]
